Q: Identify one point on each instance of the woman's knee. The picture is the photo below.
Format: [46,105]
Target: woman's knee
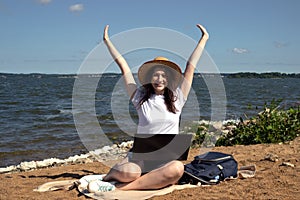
[129,172]
[175,170]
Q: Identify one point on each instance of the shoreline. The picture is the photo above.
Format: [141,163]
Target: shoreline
[106,153]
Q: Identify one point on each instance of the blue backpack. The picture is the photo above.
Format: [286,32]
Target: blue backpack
[209,169]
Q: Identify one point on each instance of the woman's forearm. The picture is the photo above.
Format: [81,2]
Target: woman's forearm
[119,59]
[130,83]
[193,60]
[195,56]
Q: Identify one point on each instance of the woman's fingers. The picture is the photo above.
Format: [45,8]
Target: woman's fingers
[203,30]
[105,34]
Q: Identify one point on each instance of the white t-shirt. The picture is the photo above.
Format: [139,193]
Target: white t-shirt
[154,117]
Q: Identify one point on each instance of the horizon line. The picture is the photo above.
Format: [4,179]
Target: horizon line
[119,73]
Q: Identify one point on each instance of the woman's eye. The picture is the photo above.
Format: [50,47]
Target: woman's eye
[156,75]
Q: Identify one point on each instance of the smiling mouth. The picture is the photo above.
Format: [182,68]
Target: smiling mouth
[158,85]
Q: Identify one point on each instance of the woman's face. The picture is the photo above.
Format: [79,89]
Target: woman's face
[159,80]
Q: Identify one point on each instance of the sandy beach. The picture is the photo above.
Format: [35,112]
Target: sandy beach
[277,177]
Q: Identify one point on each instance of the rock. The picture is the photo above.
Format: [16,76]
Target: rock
[126,145]
[271,157]
[106,148]
[83,158]
[8,169]
[97,152]
[217,125]
[49,162]
[225,132]
[24,166]
[287,164]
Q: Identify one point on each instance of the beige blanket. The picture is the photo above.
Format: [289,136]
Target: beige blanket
[81,184]
[134,194]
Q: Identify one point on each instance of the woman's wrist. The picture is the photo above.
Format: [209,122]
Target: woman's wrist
[205,37]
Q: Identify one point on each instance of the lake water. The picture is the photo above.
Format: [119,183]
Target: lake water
[37,120]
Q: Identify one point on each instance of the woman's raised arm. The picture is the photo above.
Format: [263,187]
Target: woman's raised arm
[130,83]
[192,62]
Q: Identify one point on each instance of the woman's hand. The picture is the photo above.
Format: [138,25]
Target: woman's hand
[205,34]
[105,34]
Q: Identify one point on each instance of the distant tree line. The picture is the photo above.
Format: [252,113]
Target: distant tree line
[262,75]
[228,75]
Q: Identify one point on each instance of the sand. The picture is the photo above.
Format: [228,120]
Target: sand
[277,177]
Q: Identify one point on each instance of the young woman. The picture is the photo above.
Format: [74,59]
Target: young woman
[158,102]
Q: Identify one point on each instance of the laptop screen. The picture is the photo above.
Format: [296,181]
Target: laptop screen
[161,146]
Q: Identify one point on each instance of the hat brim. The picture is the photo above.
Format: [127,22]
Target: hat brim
[174,69]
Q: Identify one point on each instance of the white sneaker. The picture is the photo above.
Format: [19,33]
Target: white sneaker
[100,186]
[88,178]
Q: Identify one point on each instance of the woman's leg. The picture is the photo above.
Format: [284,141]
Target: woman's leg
[124,171]
[166,175]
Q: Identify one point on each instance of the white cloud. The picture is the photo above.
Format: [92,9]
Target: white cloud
[240,50]
[44,1]
[278,44]
[76,8]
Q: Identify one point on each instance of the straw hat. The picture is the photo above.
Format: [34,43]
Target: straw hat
[173,68]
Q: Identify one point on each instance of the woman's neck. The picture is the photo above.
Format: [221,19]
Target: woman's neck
[159,92]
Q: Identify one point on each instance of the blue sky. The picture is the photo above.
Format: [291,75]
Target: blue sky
[54,36]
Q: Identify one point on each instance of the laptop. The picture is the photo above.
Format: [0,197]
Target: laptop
[161,147]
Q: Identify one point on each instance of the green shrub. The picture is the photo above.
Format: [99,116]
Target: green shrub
[199,131]
[272,125]
[205,134]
